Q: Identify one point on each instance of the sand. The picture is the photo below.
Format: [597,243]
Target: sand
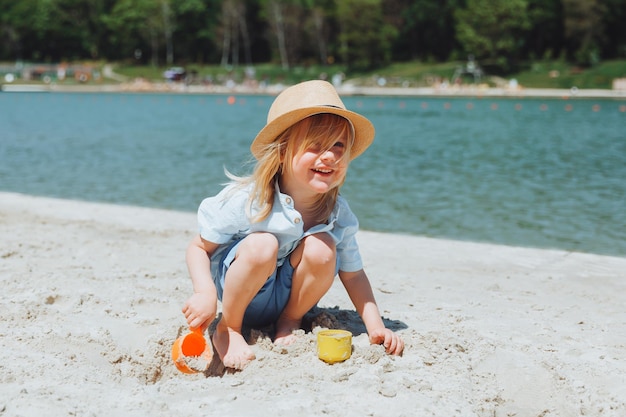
[91,299]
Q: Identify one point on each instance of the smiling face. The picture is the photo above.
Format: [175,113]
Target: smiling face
[316,156]
[318,170]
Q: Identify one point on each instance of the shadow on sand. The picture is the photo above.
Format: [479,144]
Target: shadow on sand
[329,318]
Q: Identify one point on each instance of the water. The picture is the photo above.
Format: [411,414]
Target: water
[541,173]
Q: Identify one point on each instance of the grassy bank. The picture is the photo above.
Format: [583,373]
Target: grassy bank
[539,74]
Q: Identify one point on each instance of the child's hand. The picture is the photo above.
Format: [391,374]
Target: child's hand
[199,310]
[394,345]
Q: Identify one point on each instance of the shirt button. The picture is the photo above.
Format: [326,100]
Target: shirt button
[288,200]
[296,220]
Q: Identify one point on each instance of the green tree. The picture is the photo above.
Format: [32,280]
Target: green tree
[52,30]
[614,40]
[195,29]
[545,37]
[426,29]
[234,28]
[16,28]
[494,30]
[318,25]
[135,24]
[273,12]
[285,21]
[363,34]
[365,37]
[584,29]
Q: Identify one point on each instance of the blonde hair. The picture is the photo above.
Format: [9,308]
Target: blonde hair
[319,131]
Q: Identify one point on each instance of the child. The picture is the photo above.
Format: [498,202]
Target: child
[271,244]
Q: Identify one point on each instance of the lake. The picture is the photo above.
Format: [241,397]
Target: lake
[547,173]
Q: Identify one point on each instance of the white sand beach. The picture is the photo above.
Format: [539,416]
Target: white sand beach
[91,299]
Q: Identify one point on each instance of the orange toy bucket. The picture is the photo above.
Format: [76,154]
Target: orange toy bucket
[190,352]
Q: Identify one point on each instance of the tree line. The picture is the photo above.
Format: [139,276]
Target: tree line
[360,34]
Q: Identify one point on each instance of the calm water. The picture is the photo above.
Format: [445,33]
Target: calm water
[542,173]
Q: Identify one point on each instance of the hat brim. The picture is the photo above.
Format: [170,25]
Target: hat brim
[363,129]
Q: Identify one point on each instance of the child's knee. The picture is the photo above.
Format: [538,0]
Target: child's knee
[260,248]
[320,249]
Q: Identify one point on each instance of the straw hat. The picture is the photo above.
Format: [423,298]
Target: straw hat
[306,99]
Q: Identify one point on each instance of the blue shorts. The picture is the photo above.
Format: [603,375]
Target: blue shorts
[266,306]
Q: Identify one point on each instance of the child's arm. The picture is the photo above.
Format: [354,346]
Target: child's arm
[360,291]
[201,307]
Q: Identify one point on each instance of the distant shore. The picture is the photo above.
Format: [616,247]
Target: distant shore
[348,89]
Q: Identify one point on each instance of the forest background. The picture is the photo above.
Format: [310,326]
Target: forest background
[354,37]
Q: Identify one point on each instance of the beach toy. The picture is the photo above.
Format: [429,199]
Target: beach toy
[191,353]
[334,345]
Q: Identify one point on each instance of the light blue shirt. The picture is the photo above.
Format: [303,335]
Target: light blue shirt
[222,219]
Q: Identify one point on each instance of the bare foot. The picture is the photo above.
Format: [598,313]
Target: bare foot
[232,347]
[284,331]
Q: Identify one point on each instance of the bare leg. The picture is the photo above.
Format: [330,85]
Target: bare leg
[314,270]
[254,262]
